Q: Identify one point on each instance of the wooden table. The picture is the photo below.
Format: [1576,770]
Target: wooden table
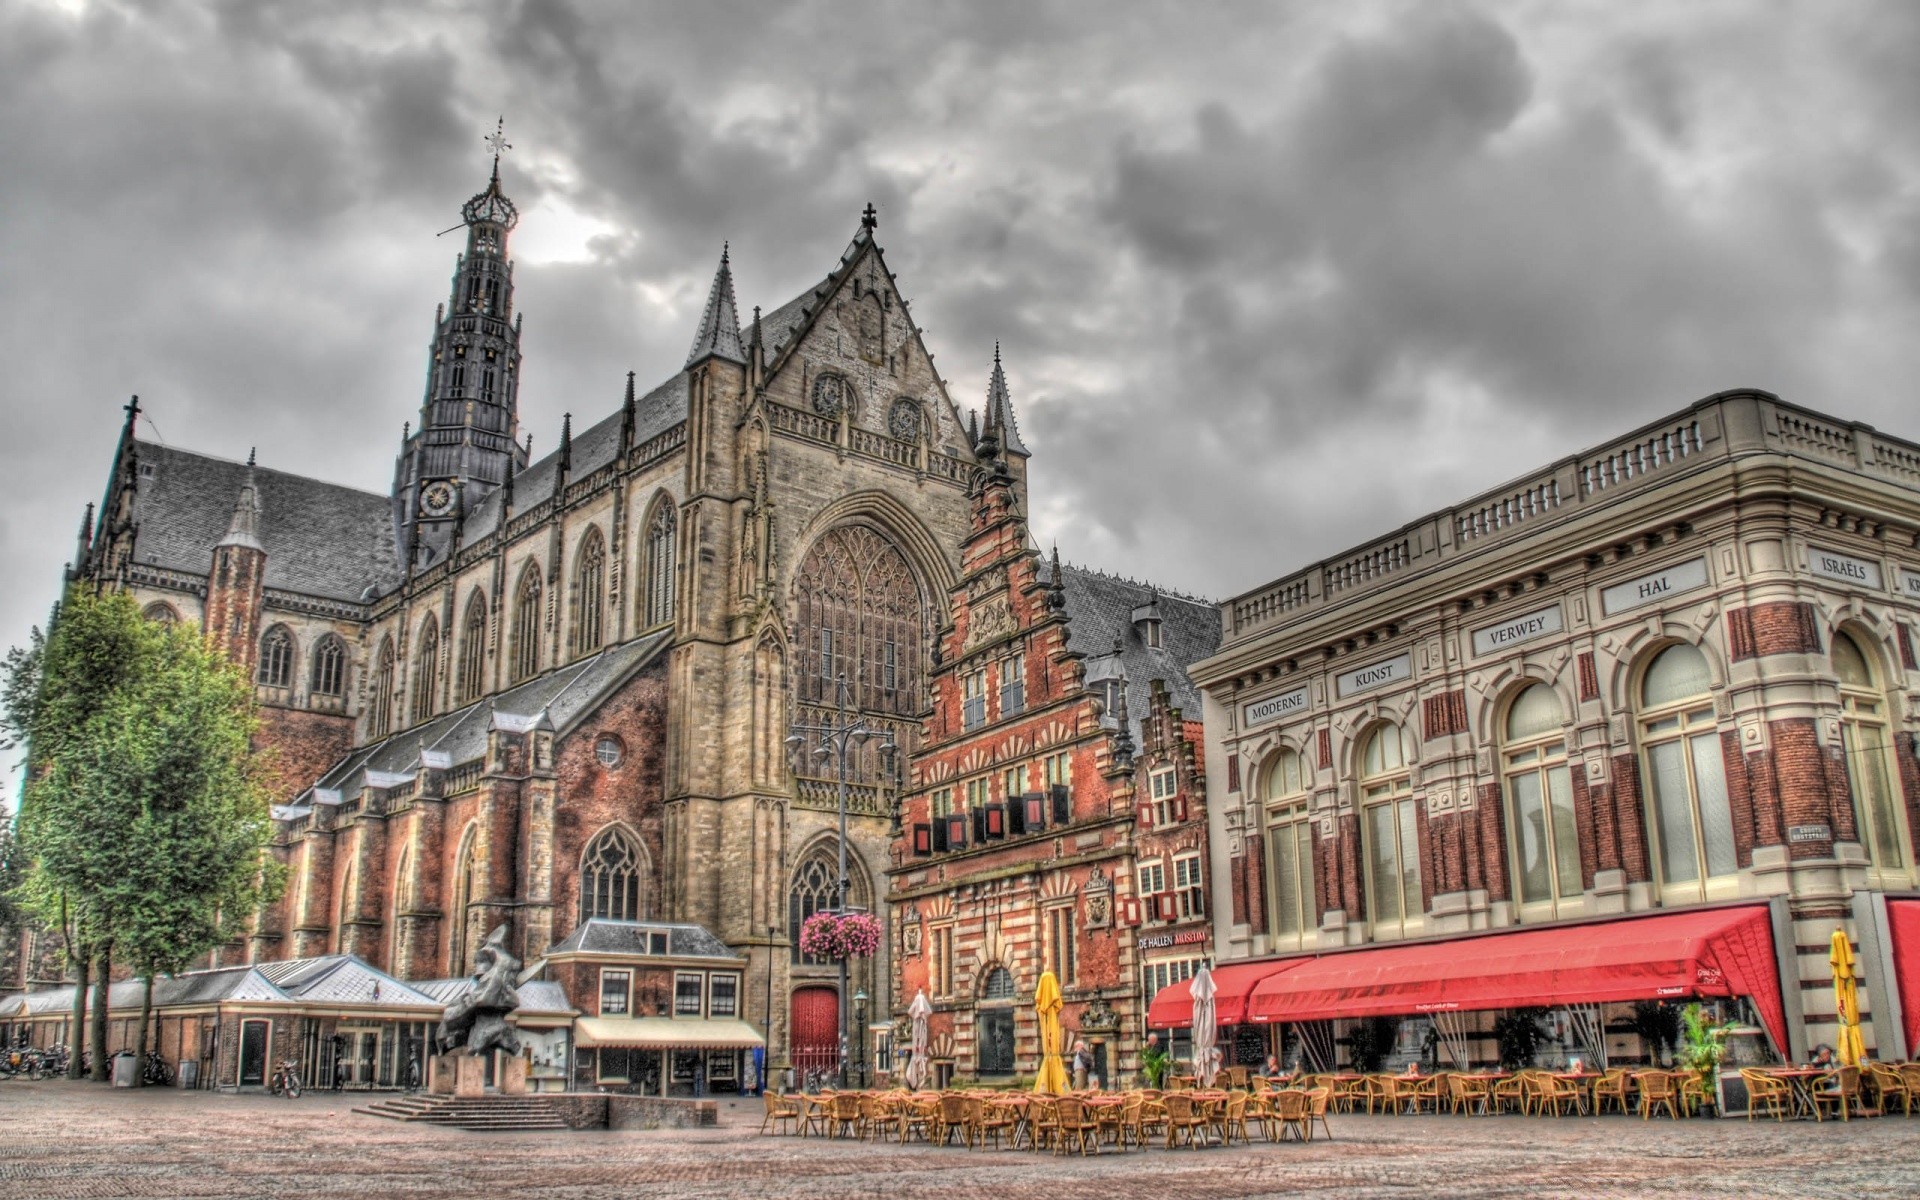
[1799,1081]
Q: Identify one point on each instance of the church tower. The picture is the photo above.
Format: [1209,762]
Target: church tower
[466,443]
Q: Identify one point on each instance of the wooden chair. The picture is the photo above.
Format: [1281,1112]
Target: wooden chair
[1043,1121]
[917,1115]
[1074,1126]
[1317,1099]
[781,1110]
[1657,1088]
[1510,1094]
[1424,1095]
[951,1120]
[1128,1127]
[1230,1119]
[814,1113]
[1469,1095]
[1551,1092]
[1611,1087]
[1838,1090]
[1151,1121]
[1763,1090]
[1384,1091]
[1260,1113]
[1237,1078]
[843,1118]
[1292,1109]
[995,1120]
[1893,1085]
[1693,1091]
[1183,1118]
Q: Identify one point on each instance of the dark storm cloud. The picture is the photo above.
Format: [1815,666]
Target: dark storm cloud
[1270,279]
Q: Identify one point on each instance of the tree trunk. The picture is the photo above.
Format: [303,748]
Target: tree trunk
[140,1046]
[103,976]
[77,1036]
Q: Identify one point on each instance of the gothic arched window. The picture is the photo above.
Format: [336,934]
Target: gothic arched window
[473,649]
[589,592]
[380,705]
[463,872]
[859,612]
[526,624]
[329,666]
[426,668]
[813,890]
[656,593]
[610,874]
[276,657]
[161,612]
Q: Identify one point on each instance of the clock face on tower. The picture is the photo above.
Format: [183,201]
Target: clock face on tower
[437,497]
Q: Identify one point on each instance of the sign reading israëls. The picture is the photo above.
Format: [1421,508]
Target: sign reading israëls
[1844,567]
[1393,670]
[1517,630]
[1652,589]
[1274,707]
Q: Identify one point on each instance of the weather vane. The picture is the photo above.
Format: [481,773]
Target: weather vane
[497,140]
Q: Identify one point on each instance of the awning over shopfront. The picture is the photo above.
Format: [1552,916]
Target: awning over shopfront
[1708,953]
[1903,916]
[1172,1007]
[664,1033]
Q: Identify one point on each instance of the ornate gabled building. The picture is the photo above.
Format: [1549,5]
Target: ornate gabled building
[542,691]
[1044,827]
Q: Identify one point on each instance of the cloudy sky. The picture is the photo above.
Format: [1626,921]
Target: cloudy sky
[1271,279]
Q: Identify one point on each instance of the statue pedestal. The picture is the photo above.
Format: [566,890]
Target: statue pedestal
[470,1076]
[440,1075]
[513,1076]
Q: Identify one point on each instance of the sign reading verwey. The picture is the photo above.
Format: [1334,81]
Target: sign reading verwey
[1652,589]
[1520,629]
[1362,679]
[1844,567]
[1273,708]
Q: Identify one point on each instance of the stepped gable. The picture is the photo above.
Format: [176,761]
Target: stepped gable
[1100,610]
[321,539]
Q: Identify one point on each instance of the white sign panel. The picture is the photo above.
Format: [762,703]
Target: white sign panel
[1273,708]
[1910,584]
[1831,564]
[1652,589]
[1517,630]
[1379,674]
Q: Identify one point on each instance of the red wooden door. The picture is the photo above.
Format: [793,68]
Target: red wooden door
[814,1033]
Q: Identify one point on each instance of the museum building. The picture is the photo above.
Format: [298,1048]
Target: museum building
[1637,727]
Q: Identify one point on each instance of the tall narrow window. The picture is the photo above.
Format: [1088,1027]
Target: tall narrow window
[656,596]
[1187,886]
[380,704]
[329,666]
[473,649]
[857,600]
[1013,685]
[973,706]
[1391,833]
[1544,838]
[1292,899]
[463,880]
[526,624]
[426,668]
[813,890]
[1686,775]
[276,657]
[1863,736]
[1163,789]
[589,593]
[610,876]
[1062,955]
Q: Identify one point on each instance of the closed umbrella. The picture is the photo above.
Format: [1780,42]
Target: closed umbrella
[1202,991]
[1052,1079]
[1846,1000]
[917,1065]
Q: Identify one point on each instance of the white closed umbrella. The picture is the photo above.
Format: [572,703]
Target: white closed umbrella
[917,1065]
[1202,991]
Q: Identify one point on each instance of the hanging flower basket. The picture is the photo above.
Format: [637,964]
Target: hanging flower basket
[839,936]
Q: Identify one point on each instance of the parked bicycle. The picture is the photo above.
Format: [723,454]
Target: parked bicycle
[286,1080]
[156,1072]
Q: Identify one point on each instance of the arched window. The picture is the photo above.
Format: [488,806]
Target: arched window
[1863,736]
[396,948]
[329,666]
[161,612]
[610,874]
[380,704]
[345,917]
[426,667]
[276,657]
[457,937]
[993,1023]
[656,592]
[998,986]
[813,890]
[1686,775]
[1539,787]
[1291,895]
[1390,832]
[526,624]
[473,649]
[589,593]
[859,612]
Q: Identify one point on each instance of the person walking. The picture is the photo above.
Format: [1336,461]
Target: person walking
[1082,1065]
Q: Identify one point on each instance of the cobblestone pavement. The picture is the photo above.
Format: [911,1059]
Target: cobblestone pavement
[79,1140]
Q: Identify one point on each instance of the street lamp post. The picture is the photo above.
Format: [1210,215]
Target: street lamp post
[846,728]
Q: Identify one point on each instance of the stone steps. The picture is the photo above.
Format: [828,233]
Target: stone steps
[480,1114]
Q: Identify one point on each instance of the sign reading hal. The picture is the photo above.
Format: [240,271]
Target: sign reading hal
[1831,564]
[1362,679]
[1273,708]
[1517,630]
[1652,589]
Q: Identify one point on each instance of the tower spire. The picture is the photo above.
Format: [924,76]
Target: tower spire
[1000,409]
[243,528]
[629,417]
[719,332]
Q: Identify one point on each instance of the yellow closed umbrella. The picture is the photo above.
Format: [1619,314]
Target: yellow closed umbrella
[1846,1001]
[1052,1079]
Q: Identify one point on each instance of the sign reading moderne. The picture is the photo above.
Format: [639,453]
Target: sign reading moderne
[1519,629]
[1652,589]
[1273,708]
[1362,679]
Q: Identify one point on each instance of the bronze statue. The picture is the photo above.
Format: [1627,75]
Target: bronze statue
[479,1018]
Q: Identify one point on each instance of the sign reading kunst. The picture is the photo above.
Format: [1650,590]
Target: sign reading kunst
[1652,589]
[1520,629]
[1273,708]
[1910,584]
[1362,679]
[1843,567]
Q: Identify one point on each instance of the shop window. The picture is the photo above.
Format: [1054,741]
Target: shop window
[723,996]
[1289,847]
[1543,835]
[615,989]
[688,994]
[1864,738]
[1686,776]
[1390,833]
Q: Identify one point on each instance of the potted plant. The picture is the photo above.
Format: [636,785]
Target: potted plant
[1703,1041]
[837,936]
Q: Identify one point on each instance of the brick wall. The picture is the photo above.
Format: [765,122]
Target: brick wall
[1779,627]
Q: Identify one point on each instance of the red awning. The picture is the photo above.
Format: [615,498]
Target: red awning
[1904,917]
[1172,1007]
[1710,952]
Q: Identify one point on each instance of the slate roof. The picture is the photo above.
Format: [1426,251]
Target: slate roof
[602,936]
[333,979]
[537,996]
[1100,608]
[321,539]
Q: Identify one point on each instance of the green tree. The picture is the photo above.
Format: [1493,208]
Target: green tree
[143,818]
